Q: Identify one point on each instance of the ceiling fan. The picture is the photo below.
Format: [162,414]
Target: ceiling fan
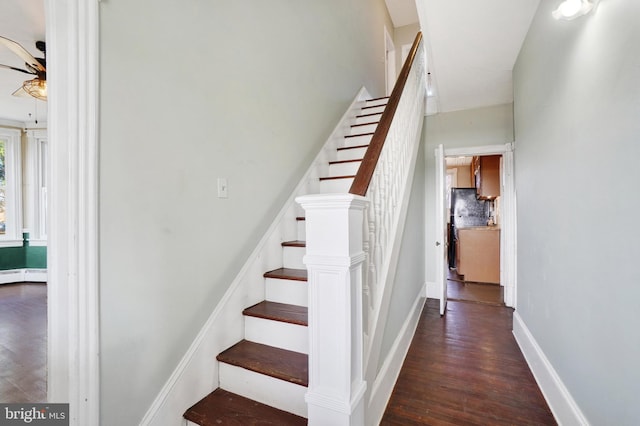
[36,87]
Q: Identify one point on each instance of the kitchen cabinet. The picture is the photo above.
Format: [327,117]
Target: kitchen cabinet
[478,254]
[486,170]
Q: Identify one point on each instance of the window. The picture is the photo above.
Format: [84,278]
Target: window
[35,187]
[10,184]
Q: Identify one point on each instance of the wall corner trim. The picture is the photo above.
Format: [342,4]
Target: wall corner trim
[562,405]
[432,290]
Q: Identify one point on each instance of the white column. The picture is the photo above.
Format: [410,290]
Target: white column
[334,224]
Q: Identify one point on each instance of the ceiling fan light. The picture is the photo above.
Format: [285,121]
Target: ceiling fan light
[36,88]
[571,9]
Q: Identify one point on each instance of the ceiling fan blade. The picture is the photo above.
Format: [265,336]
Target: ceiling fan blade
[22,53]
[17,69]
[21,93]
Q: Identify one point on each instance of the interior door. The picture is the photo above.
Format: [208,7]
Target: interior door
[441,228]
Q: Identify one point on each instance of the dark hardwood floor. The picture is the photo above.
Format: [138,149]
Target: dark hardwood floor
[465,368]
[23,342]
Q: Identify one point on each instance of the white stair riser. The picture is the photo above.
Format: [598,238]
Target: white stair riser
[382,101]
[286,291]
[302,230]
[292,337]
[351,154]
[374,110]
[368,118]
[292,257]
[357,140]
[265,389]
[335,186]
[365,128]
[344,169]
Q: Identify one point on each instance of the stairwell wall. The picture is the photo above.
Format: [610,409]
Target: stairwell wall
[577,103]
[190,92]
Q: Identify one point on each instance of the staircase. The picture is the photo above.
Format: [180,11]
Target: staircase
[264,377]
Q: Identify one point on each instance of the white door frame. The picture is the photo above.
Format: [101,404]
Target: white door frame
[390,72]
[508,213]
[72,290]
[441,228]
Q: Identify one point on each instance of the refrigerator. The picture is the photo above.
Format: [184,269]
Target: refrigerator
[466,210]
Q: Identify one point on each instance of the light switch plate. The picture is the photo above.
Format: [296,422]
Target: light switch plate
[223,190]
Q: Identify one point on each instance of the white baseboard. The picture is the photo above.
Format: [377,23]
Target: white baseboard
[562,405]
[21,275]
[433,291]
[388,374]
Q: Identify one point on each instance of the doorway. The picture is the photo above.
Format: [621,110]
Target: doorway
[501,213]
[389,62]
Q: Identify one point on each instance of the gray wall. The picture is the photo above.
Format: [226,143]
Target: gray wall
[409,279]
[192,91]
[401,36]
[459,129]
[577,126]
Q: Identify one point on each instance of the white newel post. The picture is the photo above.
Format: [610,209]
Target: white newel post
[334,259]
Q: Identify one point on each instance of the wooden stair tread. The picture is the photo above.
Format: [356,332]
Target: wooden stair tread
[296,243]
[222,407]
[373,106]
[283,312]
[361,134]
[345,161]
[352,147]
[364,124]
[287,274]
[268,360]
[337,177]
[368,115]
[377,99]
[301,218]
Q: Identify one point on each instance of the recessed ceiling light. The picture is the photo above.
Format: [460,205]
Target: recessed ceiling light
[571,9]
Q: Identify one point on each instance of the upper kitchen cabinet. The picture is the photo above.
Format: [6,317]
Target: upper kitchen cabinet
[487,175]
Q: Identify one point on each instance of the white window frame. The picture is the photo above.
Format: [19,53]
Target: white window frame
[36,187]
[13,194]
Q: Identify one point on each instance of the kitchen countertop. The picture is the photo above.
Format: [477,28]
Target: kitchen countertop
[480,228]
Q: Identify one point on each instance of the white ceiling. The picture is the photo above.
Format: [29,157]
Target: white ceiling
[472,46]
[21,21]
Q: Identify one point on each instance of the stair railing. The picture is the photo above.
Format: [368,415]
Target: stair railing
[352,246]
[383,179]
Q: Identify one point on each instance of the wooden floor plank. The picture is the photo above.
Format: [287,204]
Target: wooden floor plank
[466,369]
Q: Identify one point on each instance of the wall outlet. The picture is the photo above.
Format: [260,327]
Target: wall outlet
[223,190]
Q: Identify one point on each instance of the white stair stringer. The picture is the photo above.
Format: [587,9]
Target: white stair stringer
[265,389]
